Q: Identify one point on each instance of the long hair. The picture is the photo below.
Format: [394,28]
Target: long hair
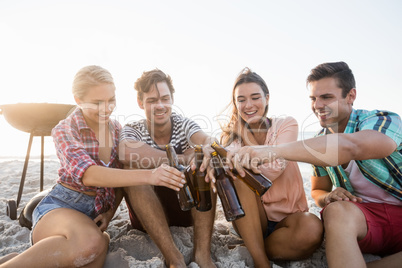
[231,130]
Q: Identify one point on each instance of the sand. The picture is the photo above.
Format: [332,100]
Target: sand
[128,247]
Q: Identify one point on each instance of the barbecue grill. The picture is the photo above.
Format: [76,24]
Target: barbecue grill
[38,119]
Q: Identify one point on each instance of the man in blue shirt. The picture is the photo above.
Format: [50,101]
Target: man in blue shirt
[357,161]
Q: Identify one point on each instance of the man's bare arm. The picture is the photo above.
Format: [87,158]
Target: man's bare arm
[328,150]
[320,188]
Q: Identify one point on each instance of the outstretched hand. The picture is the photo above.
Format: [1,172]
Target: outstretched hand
[249,157]
[187,158]
[167,176]
[340,194]
[210,177]
[206,166]
[206,150]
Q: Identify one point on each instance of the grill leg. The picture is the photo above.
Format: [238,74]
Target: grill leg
[41,161]
[24,171]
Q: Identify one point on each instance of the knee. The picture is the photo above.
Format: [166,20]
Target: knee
[97,243]
[339,214]
[336,212]
[95,246]
[316,236]
[311,235]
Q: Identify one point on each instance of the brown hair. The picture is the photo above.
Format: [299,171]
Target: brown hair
[147,79]
[338,70]
[229,133]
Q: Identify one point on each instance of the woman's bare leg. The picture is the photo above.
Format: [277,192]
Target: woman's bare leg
[8,257]
[64,238]
[295,237]
[251,226]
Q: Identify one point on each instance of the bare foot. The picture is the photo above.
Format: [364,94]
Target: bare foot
[205,262]
[8,257]
[179,263]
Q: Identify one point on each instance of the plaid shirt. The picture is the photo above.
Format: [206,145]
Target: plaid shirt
[385,173]
[78,149]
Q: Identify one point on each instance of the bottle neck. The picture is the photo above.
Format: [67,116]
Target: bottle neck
[172,156]
[217,166]
[198,159]
[219,149]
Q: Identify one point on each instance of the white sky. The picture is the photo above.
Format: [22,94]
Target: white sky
[203,45]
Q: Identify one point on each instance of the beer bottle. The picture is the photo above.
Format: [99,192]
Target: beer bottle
[184,195]
[202,189]
[188,173]
[226,191]
[256,182]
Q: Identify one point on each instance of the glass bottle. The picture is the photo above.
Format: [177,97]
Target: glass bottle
[184,195]
[202,188]
[226,191]
[256,182]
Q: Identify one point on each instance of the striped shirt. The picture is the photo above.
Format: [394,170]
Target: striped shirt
[182,130]
[386,173]
[78,148]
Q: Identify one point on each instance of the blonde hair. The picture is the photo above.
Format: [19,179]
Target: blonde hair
[90,76]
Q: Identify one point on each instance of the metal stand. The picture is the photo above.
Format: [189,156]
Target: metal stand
[11,205]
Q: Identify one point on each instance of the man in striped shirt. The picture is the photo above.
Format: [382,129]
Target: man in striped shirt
[357,161]
[142,145]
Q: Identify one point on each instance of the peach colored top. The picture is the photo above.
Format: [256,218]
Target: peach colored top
[286,195]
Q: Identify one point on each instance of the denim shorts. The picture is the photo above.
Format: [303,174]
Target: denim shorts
[62,197]
[268,231]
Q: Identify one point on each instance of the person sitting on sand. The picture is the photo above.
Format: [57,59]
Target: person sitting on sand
[69,223]
[142,145]
[277,225]
[359,153]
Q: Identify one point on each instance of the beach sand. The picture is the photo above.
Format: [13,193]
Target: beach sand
[128,247]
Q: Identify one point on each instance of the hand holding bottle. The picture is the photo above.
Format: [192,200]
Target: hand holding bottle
[249,157]
[205,166]
[168,176]
[202,188]
[256,181]
[185,194]
[226,191]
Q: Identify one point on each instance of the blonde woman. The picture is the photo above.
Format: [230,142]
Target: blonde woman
[69,223]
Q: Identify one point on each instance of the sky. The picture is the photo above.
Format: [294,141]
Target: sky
[202,45]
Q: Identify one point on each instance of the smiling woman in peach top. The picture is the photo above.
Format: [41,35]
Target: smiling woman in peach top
[276,225]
